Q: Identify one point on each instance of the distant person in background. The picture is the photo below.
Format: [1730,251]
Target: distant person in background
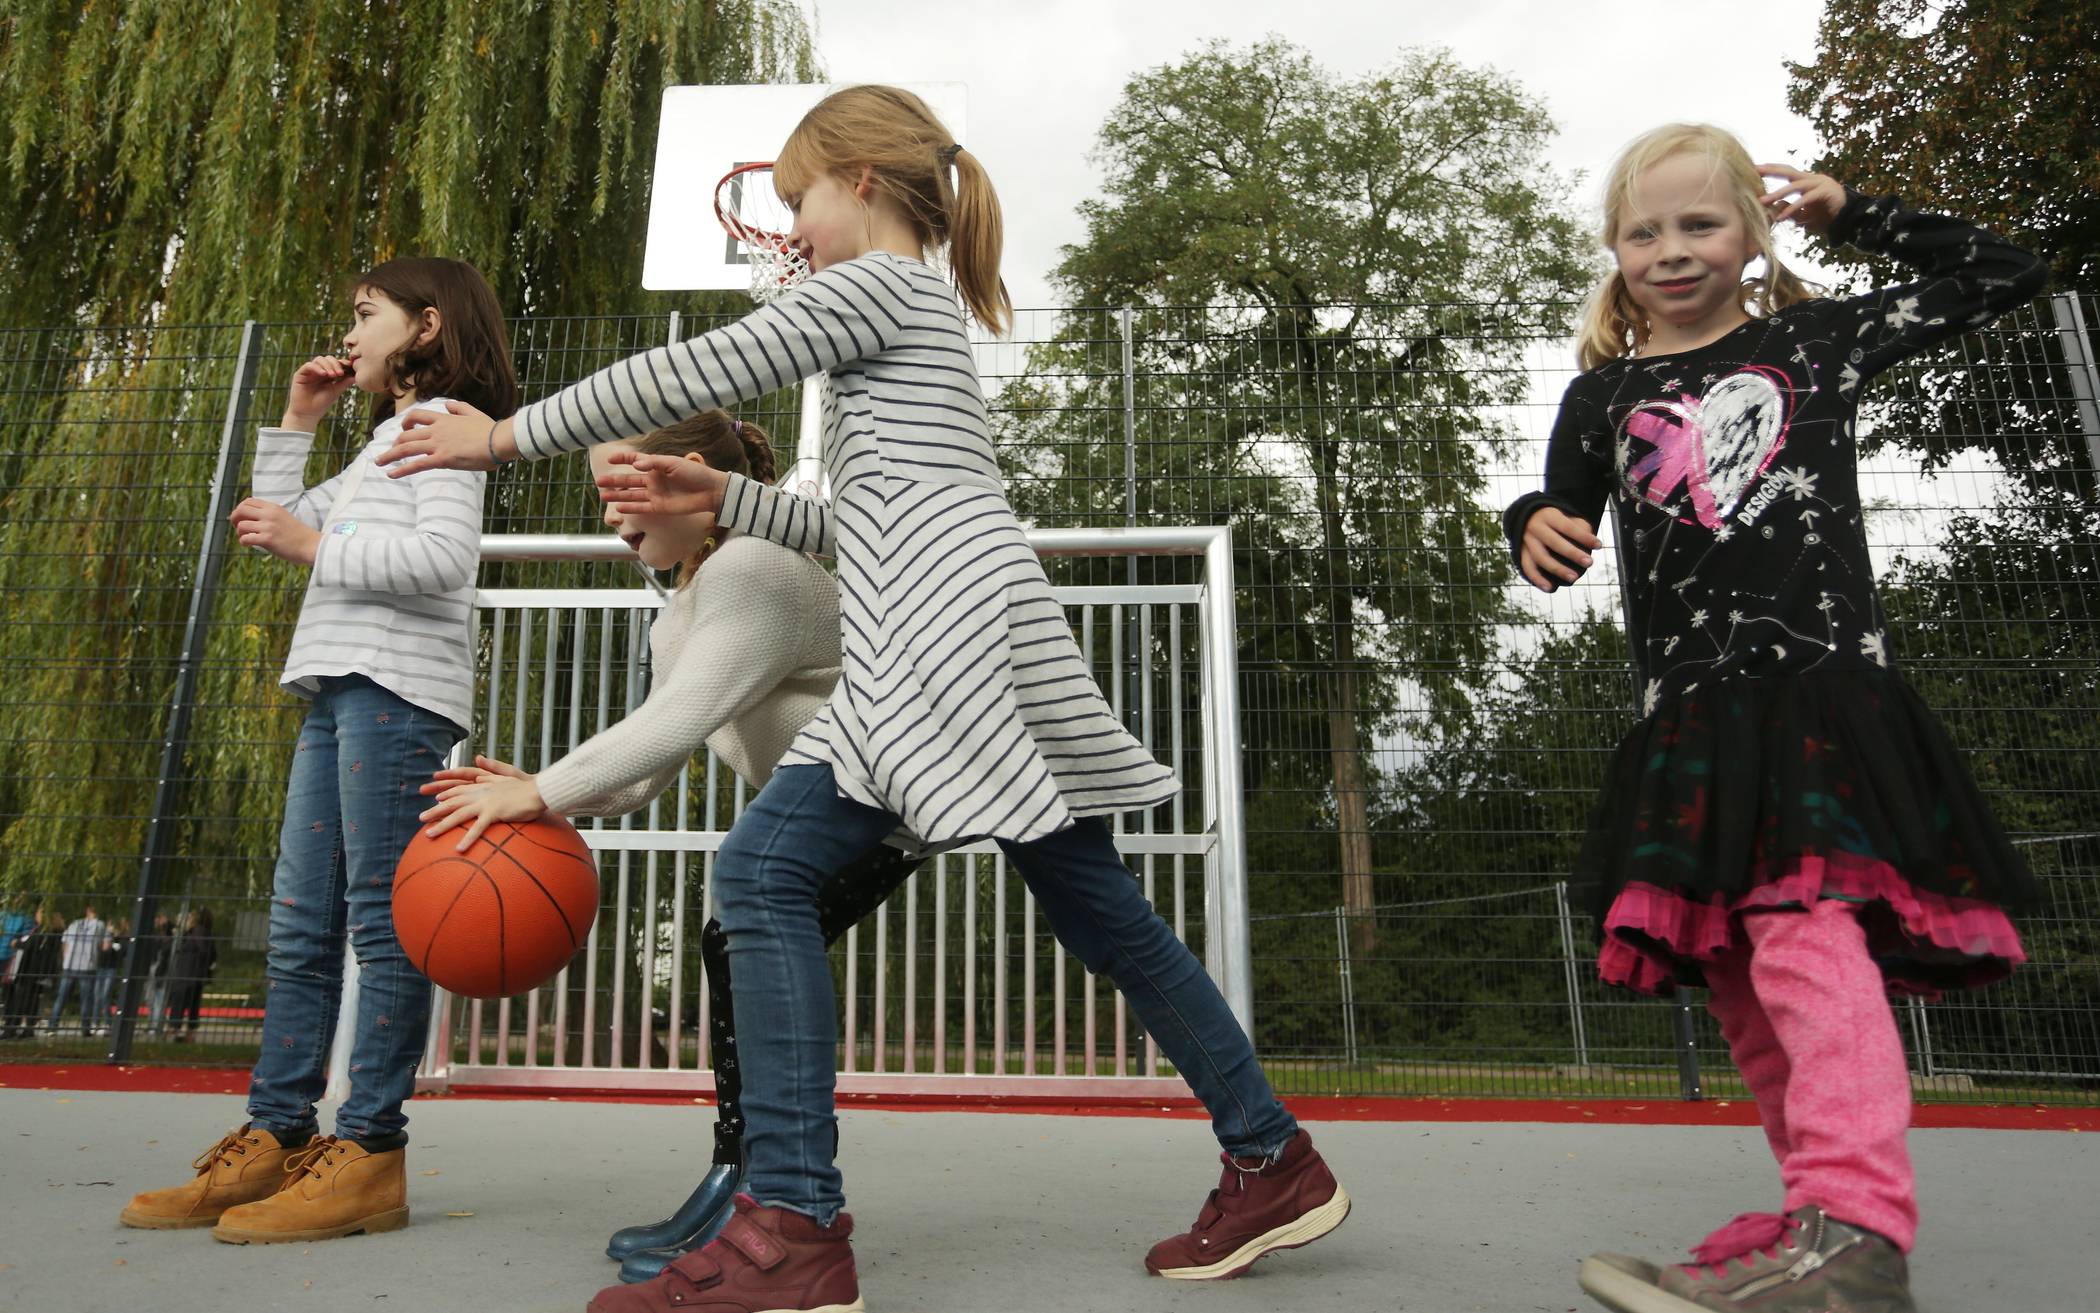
[108,967]
[16,924]
[153,960]
[32,960]
[190,966]
[80,954]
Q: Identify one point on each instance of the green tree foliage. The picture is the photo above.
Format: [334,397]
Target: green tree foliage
[202,162]
[1999,629]
[1390,244]
[188,163]
[1982,110]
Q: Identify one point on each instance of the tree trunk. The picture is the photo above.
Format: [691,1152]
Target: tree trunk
[1352,807]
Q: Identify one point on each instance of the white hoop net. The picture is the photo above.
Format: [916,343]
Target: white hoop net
[758,222]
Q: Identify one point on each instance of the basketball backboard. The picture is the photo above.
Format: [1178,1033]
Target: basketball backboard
[705,132]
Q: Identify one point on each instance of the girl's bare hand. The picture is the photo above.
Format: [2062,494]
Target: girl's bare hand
[268,527]
[435,440]
[1556,548]
[315,387]
[497,797]
[661,485]
[1812,200]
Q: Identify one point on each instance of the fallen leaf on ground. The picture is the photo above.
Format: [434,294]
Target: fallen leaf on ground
[430,1171]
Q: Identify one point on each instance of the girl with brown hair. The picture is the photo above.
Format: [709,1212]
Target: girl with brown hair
[383,650]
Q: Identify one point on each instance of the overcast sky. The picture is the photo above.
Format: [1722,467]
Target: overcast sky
[1043,75]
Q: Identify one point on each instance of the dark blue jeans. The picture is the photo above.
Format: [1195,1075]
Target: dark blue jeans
[349,812]
[68,983]
[795,834]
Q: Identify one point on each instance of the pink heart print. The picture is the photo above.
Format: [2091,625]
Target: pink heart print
[1714,447]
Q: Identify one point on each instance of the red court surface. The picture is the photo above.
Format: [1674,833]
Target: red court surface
[1621,1112]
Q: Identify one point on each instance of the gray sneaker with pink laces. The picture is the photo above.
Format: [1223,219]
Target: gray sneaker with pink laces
[1801,1262]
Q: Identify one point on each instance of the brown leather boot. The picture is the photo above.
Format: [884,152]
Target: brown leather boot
[246,1165]
[334,1189]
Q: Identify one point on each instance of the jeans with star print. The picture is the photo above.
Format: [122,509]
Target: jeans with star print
[349,812]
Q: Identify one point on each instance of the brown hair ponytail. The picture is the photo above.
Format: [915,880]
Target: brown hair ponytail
[726,443]
[907,153]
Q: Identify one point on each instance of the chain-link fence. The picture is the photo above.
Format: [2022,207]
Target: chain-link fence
[1422,734]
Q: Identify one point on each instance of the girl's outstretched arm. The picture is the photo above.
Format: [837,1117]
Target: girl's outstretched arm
[1971,275]
[848,312]
[745,637]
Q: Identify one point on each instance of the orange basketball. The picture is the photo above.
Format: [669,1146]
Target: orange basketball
[502,917]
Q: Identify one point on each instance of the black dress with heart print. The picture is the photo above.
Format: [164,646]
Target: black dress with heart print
[1781,759]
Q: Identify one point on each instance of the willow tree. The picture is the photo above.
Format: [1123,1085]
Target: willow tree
[1370,257]
[1984,110]
[193,162]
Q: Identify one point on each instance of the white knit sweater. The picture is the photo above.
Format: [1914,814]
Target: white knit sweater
[742,657]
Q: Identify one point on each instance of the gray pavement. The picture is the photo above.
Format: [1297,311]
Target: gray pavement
[974,1211]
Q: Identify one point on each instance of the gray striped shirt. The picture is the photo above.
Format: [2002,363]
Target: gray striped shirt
[392,593]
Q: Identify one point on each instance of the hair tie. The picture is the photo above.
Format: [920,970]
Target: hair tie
[949,152]
[736,429]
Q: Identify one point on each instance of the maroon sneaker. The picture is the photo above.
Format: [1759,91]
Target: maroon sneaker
[1281,1204]
[766,1260]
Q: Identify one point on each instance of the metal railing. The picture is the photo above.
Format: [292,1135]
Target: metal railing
[954,985]
[143,741]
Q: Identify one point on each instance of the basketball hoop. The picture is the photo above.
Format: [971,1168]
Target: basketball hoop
[758,221]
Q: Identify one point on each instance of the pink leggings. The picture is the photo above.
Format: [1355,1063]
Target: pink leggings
[1807,1018]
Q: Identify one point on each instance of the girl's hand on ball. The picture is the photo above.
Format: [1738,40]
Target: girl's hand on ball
[482,771]
[496,797]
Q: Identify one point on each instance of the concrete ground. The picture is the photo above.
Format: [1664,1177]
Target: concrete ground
[976,1211]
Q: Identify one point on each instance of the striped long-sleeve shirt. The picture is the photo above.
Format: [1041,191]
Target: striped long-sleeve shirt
[392,593]
[964,707]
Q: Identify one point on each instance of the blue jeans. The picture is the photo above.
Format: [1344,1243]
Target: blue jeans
[349,812]
[105,993]
[795,834]
[84,982]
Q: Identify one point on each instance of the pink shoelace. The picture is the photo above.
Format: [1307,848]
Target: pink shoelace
[1743,1235]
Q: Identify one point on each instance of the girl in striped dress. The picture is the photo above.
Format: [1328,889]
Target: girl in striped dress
[742,657]
[964,709]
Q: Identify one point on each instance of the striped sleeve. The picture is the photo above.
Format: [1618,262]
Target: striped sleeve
[437,556]
[280,473]
[848,312]
[744,638]
[802,524]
